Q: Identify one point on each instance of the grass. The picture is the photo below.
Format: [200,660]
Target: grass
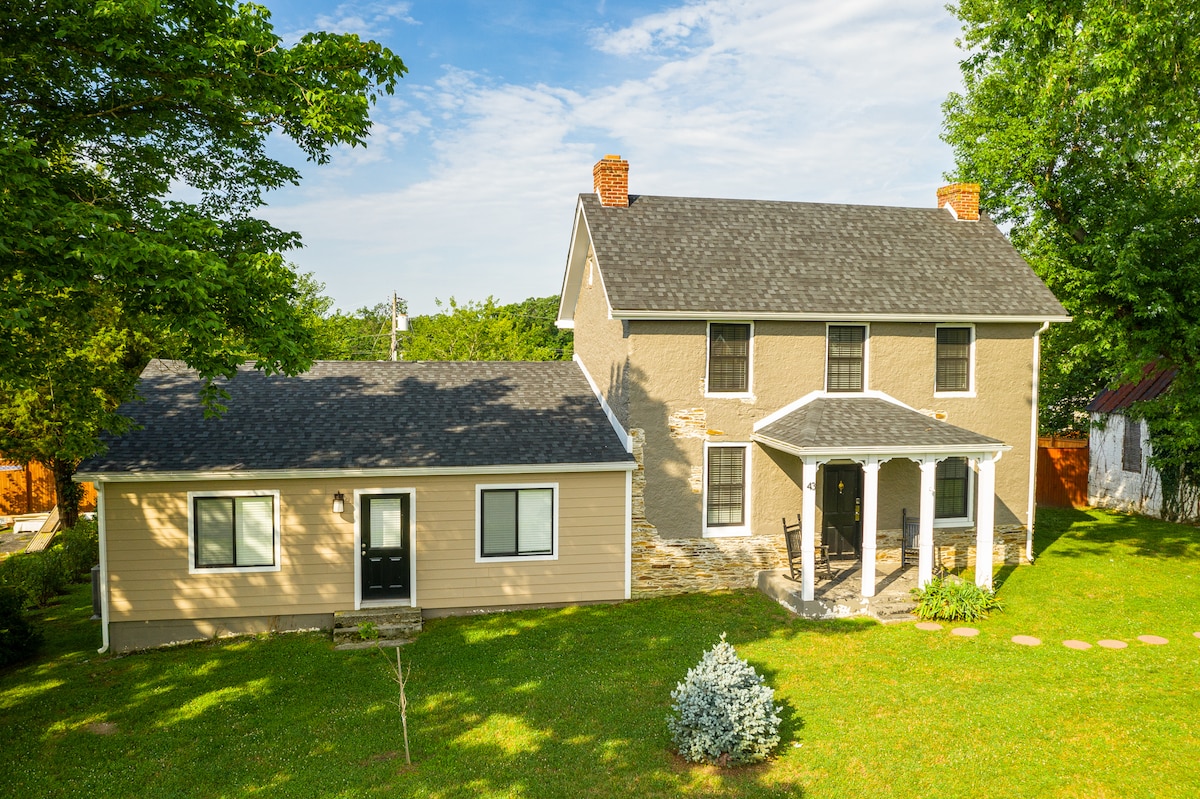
[570,703]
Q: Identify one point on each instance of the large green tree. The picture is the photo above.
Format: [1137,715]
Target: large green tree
[133,156]
[1081,120]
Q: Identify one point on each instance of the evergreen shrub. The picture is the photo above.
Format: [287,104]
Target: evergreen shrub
[723,713]
[80,547]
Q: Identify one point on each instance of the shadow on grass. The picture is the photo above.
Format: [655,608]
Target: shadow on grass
[568,702]
[1076,533]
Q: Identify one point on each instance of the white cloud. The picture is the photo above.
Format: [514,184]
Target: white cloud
[772,99]
[370,20]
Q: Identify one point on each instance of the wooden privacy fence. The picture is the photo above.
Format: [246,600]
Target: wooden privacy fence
[1062,472]
[31,490]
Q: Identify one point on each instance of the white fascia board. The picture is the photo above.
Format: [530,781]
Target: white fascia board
[821,394]
[741,316]
[965,450]
[317,474]
[626,439]
[581,238]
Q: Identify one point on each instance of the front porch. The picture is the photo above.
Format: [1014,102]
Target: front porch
[841,596]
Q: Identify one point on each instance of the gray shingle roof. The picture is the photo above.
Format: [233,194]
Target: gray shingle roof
[367,414]
[751,257]
[867,423]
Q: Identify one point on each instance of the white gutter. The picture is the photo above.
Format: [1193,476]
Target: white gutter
[825,316]
[301,474]
[102,532]
[1033,439]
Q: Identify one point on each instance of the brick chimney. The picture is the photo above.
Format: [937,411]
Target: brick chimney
[963,199]
[610,176]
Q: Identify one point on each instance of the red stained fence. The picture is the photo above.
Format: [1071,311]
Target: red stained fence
[30,489]
[1062,472]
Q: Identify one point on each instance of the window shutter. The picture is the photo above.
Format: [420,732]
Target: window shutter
[1131,447]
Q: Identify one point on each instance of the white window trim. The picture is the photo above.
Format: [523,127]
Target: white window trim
[970,392]
[969,519]
[192,496]
[412,544]
[479,557]
[726,531]
[749,392]
[866,384]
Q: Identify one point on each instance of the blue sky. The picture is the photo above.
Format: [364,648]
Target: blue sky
[468,184]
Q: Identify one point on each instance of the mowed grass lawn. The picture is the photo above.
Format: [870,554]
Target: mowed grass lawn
[570,703]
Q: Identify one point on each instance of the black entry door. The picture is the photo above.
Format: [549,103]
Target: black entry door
[842,510]
[386,546]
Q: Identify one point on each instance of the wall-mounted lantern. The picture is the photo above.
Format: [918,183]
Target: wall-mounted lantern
[339,502]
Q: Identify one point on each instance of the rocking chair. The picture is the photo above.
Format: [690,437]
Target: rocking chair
[910,527]
[792,536]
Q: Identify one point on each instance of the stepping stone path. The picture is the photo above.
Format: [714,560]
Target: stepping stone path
[1029,640]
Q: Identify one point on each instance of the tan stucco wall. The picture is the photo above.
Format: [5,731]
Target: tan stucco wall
[604,347]
[667,360]
[147,549]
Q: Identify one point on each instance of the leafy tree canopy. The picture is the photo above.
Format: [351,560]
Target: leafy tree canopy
[133,154]
[1079,119]
[474,331]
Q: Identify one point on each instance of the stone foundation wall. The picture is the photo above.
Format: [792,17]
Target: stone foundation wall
[664,566]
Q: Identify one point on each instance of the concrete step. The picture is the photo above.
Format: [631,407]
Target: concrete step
[377,616]
[381,631]
[382,643]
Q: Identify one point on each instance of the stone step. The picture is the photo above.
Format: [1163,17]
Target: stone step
[382,643]
[382,631]
[378,616]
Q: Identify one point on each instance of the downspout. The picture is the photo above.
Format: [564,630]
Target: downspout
[1033,440]
[101,529]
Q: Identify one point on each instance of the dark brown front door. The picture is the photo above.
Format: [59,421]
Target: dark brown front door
[386,546]
[842,510]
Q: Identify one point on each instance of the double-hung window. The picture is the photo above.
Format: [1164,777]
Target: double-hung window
[725,488]
[952,489]
[234,531]
[728,358]
[845,364]
[953,360]
[517,522]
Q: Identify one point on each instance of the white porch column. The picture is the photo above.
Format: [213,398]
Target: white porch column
[808,529]
[870,516]
[925,543]
[985,520]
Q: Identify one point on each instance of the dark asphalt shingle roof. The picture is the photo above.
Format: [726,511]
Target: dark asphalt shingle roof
[367,414]
[854,422]
[750,256]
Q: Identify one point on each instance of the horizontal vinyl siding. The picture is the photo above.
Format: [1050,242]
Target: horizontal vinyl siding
[147,545]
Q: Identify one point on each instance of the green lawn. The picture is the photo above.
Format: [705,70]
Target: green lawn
[570,703]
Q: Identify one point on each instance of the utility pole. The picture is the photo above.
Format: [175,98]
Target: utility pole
[392,351]
[399,325]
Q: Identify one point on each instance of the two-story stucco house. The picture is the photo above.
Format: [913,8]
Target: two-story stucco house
[839,363]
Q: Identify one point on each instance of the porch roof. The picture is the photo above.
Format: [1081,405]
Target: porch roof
[848,426]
